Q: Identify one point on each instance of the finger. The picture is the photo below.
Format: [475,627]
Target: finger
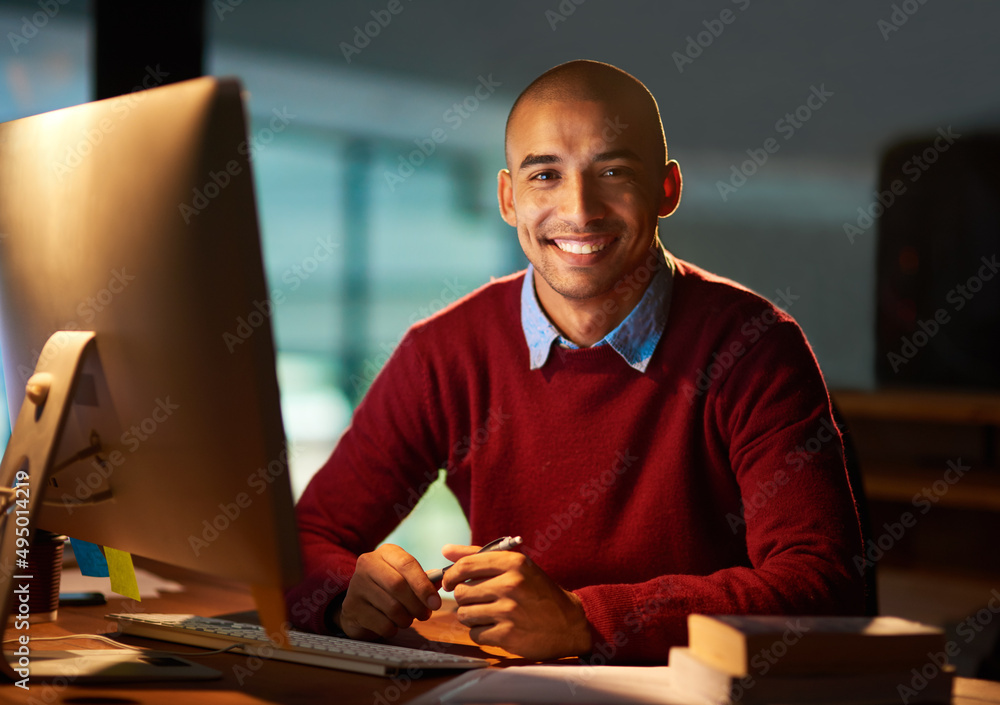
[453,551]
[481,567]
[366,622]
[388,604]
[474,621]
[363,615]
[491,635]
[378,592]
[474,593]
[480,614]
[419,594]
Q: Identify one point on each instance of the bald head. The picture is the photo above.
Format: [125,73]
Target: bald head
[593,81]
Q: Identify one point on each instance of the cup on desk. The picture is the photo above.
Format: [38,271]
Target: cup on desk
[45,560]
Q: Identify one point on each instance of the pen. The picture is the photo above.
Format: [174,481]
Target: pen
[502,544]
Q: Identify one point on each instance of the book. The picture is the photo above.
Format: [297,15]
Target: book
[760,645]
[556,683]
[698,682]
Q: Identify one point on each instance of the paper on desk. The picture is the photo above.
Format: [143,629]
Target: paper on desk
[574,685]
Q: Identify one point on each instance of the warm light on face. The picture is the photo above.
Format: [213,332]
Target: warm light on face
[585,194]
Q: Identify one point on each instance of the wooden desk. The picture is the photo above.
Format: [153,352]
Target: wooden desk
[245,680]
[248,681]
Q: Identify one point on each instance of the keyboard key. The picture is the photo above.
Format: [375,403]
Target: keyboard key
[313,649]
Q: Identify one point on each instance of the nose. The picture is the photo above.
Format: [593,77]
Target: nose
[580,201]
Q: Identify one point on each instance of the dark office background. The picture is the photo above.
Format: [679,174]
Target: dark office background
[366,229]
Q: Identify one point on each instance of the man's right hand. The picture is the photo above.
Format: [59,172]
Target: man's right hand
[388,591]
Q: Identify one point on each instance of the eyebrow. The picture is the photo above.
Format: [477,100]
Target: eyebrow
[617,154]
[535,159]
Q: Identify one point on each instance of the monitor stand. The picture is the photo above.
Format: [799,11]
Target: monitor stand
[24,471]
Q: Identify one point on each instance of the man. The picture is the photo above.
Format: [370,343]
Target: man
[639,421]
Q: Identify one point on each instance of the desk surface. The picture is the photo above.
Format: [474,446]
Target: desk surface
[252,681]
[244,680]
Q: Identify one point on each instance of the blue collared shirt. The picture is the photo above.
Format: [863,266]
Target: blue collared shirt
[634,339]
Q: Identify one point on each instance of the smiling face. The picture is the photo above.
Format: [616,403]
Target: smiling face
[585,187]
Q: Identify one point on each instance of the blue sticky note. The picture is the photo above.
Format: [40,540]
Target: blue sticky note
[91,558]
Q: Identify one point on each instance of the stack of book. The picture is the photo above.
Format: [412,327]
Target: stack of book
[780,659]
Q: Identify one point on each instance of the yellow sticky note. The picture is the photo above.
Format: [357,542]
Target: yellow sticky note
[122,572]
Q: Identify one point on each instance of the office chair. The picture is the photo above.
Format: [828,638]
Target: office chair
[861,505]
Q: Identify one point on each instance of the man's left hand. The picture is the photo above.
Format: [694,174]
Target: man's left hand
[506,600]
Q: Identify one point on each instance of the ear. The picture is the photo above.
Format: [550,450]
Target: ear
[671,189]
[505,197]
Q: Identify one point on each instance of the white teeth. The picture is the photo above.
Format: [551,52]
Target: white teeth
[578,249]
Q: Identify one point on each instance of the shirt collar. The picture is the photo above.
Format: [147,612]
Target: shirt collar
[635,338]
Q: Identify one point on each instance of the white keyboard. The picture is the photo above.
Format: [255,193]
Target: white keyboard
[303,647]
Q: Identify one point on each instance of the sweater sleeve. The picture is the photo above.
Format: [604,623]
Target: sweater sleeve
[382,465]
[770,417]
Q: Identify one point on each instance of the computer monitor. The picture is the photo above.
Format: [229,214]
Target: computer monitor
[133,219]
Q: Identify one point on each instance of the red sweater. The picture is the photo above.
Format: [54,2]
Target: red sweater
[628,488]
